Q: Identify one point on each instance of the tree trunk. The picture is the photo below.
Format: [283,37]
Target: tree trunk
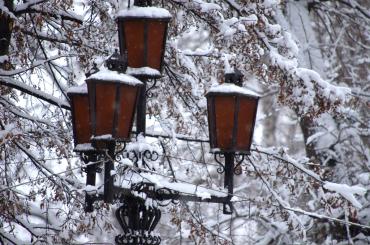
[307,126]
[6,26]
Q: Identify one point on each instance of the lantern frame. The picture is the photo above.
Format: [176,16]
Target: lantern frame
[145,19]
[212,125]
[119,83]
[72,93]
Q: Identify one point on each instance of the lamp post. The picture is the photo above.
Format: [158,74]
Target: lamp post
[103,114]
[81,132]
[231,117]
[142,32]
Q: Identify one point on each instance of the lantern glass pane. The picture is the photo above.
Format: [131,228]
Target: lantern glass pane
[224,110]
[246,117]
[105,104]
[135,42]
[156,35]
[81,118]
[127,109]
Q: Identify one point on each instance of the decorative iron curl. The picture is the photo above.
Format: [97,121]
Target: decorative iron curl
[119,153]
[148,92]
[239,158]
[129,239]
[150,155]
[172,196]
[218,156]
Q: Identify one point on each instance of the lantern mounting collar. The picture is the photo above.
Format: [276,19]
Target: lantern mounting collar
[235,77]
[92,71]
[117,62]
[143,3]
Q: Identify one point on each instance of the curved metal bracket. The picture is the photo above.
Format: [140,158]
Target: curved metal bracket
[148,92]
[218,158]
[239,158]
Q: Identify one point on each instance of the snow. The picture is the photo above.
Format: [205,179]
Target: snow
[102,137]
[107,75]
[3,58]
[84,147]
[90,188]
[347,192]
[140,145]
[146,12]
[82,89]
[250,20]
[9,131]
[203,194]
[33,91]
[142,71]
[208,7]
[228,88]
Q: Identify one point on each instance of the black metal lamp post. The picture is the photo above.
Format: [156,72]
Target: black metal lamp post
[231,118]
[103,115]
[82,133]
[142,32]
[112,102]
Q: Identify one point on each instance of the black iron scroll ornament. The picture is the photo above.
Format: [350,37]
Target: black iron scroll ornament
[138,220]
[220,159]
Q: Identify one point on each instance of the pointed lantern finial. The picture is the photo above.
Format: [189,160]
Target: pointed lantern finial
[235,77]
[117,62]
[143,3]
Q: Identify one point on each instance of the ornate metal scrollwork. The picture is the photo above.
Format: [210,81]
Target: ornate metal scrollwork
[239,158]
[137,158]
[138,221]
[218,158]
[129,239]
[148,92]
[164,196]
[172,196]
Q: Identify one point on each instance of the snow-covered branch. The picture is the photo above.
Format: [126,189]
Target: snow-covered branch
[12,83]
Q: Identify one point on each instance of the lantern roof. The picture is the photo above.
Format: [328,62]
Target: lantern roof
[82,89]
[146,12]
[228,88]
[114,76]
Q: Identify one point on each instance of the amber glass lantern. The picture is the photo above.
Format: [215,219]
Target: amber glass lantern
[112,100]
[80,115]
[231,117]
[142,37]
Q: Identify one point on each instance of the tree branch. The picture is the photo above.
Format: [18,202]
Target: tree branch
[9,82]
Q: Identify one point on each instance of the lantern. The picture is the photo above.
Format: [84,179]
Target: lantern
[112,101]
[142,37]
[80,115]
[231,116]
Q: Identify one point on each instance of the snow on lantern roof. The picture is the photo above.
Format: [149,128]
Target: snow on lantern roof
[114,76]
[143,71]
[227,88]
[148,12]
[84,147]
[82,89]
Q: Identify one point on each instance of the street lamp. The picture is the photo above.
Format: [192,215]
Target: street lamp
[231,117]
[142,35]
[112,101]
[103,115]
[80,114]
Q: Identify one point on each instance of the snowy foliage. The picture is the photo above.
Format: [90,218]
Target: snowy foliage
[307,177]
